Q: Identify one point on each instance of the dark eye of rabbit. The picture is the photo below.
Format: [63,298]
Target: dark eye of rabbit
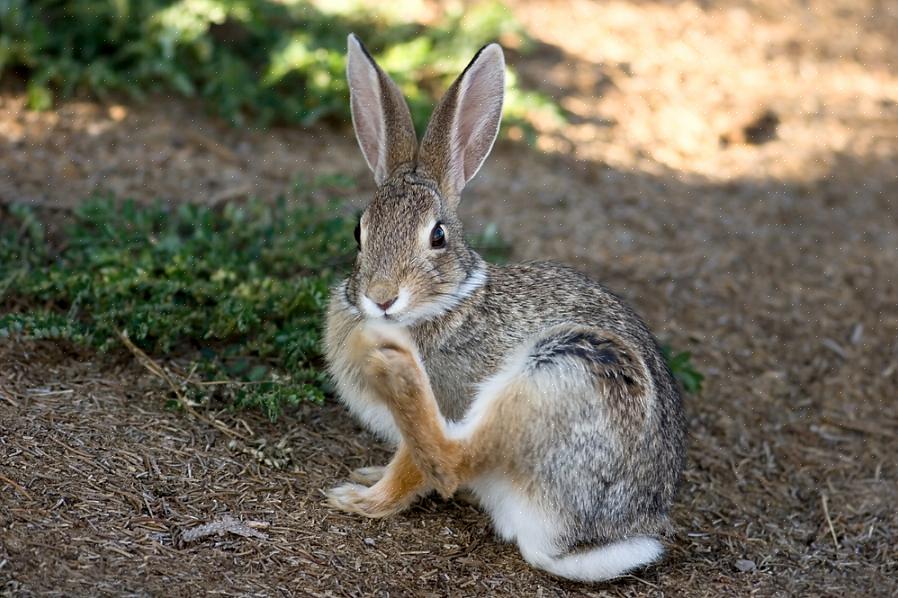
[438,237]
[358,234]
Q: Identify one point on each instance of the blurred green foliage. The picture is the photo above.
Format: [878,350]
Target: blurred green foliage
[258,61]
[239,290]
[681,366]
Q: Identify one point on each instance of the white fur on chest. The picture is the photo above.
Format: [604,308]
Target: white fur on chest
[372,413]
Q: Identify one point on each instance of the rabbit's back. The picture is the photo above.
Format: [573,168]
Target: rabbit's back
[608,464]
[517,303]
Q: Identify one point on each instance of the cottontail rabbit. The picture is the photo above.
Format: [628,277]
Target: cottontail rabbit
[529,385]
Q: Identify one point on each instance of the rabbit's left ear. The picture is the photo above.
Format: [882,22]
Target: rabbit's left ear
[380,116]
[464,126]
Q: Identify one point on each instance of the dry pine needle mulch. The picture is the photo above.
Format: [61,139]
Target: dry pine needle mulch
[729,168]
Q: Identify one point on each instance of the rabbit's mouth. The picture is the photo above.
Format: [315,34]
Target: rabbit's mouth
[390,310]
[407,309]
[442,303]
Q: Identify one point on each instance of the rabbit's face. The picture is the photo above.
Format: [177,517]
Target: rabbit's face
[413,263]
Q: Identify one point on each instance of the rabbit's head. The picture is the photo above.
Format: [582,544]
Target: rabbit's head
[413,262]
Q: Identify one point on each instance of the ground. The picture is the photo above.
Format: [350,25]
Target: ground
[729,168]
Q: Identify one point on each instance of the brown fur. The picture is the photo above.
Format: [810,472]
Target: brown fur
[529,384]
[399,485]
[393,370]
[402,384]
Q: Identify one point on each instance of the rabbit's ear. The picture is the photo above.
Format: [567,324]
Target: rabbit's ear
[380,116]
[465,124]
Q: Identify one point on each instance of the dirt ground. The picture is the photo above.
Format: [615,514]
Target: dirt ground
[731,168]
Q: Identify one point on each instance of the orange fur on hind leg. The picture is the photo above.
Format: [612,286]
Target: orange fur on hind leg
[401,483]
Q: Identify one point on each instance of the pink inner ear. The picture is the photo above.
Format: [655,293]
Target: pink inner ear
[477,114]
[367,129]
[367,110]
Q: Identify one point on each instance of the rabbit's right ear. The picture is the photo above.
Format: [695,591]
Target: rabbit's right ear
[380,116]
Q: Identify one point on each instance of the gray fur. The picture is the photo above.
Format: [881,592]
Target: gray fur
[603,445]
[608,487]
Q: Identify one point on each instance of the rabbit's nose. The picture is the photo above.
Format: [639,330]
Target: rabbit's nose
[383,293]
[386,304]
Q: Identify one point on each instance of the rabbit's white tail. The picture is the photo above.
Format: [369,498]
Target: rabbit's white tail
[598,564]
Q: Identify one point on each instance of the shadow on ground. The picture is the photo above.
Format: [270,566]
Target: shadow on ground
[784,294]
[773,263]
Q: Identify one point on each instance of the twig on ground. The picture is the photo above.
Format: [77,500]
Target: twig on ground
[640,580]
[829,521]
[19,488]
[5,395]
[241,190]
[858,427]
[214,147]
[156,369]
[226,524]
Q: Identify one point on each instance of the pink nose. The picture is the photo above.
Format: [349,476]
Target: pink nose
[386,304]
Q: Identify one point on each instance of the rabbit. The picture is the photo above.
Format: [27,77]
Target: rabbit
[528,386]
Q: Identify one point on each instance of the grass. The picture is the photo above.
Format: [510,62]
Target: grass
[257,62]
[681,366]
[238,291]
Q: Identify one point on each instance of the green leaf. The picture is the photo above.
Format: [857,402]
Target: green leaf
[684,371]
[271,62]
[239,289]
[40,97]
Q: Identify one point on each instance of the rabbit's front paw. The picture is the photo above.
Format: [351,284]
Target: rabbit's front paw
[396,376]
[368,475]
[355,498]
[371,336]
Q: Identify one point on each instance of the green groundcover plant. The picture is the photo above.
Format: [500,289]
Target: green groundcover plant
[258,61]
[238,290]
[235,294]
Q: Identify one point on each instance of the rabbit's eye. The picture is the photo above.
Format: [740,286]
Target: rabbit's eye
[358,234]
[438,237]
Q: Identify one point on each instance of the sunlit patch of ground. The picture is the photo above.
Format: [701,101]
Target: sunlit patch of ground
[677,85]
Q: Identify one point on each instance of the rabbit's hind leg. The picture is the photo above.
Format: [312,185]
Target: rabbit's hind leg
[547,432]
